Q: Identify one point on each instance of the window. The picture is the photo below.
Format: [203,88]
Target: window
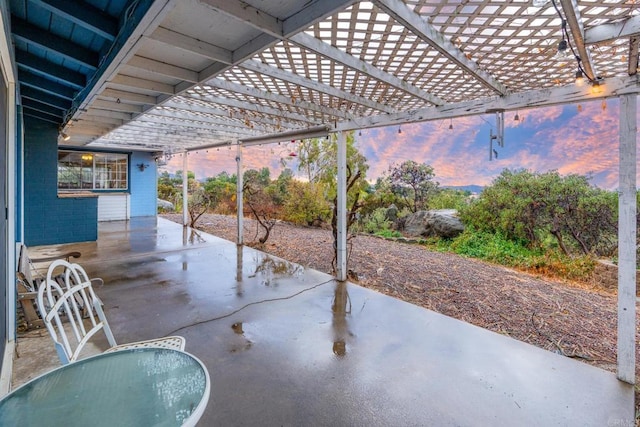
[81,170]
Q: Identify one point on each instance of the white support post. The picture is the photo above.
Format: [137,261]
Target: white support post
[185,191]
[341,261]
[239,200]
[627,240]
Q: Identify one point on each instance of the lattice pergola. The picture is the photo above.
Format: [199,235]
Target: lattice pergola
[212,72]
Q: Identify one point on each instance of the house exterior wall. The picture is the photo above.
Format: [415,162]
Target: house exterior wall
[49,219]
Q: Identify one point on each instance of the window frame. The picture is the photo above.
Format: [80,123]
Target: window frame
[96,173]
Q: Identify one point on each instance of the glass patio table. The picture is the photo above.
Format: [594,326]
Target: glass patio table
[136,387]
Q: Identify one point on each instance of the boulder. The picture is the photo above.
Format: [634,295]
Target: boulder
[435,223]
[165,206]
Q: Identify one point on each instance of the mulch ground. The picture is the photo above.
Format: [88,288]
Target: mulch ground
[572,319]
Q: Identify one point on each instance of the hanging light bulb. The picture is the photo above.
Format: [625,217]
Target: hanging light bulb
[596,87]
[563,51]
[579,78]
[579,108]
[451,124]
[539,3]
[516,118]
[604,105]
[399,129]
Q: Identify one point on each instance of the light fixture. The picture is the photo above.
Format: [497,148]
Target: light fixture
[579,78]
[596,87]
[450,124]
[563,52]
[142,166]
[516,118]
[399,129]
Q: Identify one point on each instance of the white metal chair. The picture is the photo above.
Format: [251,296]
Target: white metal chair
[75,309]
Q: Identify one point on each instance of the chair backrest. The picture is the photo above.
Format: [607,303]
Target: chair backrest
[72,312]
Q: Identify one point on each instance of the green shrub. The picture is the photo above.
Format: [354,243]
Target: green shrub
[388,233]
[376,222]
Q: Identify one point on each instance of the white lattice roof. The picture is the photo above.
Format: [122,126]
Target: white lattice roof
[211,72]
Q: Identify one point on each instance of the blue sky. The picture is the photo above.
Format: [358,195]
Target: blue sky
[577,138]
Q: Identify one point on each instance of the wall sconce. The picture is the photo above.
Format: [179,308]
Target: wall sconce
[142,166]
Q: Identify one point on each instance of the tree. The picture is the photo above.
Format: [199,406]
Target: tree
[527,207]
[413,183]
[318,157]
[261,199]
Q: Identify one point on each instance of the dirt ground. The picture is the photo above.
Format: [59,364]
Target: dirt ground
[572,319]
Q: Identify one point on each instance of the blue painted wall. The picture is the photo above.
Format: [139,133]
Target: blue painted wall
[47,218]
[143,185]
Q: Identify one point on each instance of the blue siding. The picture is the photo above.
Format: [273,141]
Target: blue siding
[49,219]
[143,185]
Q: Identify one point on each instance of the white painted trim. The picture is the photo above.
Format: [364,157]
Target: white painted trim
[185,190]
[11,171]
[239,196]
[6,372]
[341,244]
[627,240]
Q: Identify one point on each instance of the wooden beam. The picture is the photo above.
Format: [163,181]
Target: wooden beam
[399,11]
[42,67]
[615,30]
[27,78]
[572,14]
[124,82]
[297,80]
[311,43]
[38,95]
[191,45]
[128,97]
[519,101]
[163,69]
[32,35]
[84,15]
[634,42]
[116,106]
[627,240]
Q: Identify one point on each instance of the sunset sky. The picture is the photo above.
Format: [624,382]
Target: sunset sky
[571,139]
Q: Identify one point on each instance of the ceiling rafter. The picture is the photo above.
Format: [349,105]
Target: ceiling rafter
[86,16]
[190,108]
[27,78]
[190,123]
[414,22]
[311,43]
[254,107]
[163,69]
[210,120]
[290,77]
[44,68]
[190,44]
[36,94]
[124,82]
[30,34]
[611,31]
[256,93]
[574,21]
[128,97]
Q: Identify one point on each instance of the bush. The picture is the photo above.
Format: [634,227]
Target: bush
[376,221]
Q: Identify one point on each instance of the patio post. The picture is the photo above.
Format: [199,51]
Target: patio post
[239,185]
[185,191]
[341,258]
[627,240]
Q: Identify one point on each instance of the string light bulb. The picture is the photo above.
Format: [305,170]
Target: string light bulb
[450,124]
[516,118]
[579,78]
[399,130]
[596,87]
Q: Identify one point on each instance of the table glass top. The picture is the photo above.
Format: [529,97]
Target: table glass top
[141,387]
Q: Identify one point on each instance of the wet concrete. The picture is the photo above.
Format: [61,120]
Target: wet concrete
[285,345]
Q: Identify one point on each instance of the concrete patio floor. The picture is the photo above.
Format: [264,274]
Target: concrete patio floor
[286,345]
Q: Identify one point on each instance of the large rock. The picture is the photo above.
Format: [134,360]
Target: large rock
[165,206]
[436,223]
